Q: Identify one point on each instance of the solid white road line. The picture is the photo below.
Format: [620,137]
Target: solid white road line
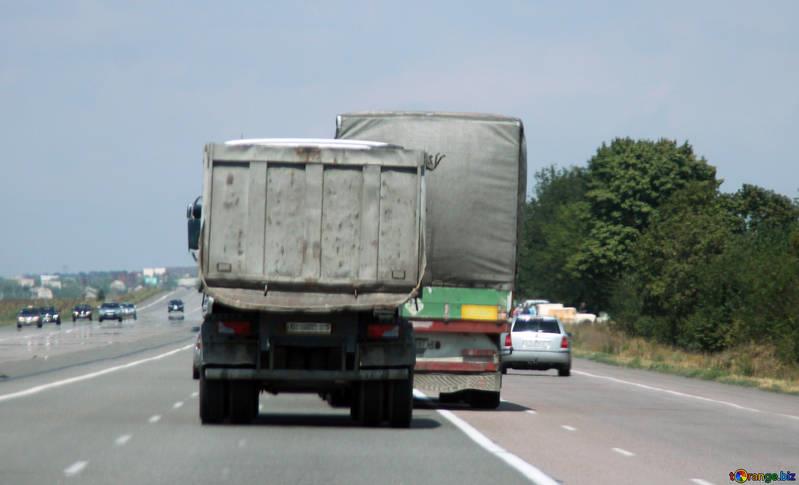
[177,405]
[122,440]
[699,481]
[568,428]
[75,468]
[529,471]
[52,385]
[679,394]
[624,452]
[154,419]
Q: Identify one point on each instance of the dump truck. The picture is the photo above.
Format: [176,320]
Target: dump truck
[476,185]
[306,251]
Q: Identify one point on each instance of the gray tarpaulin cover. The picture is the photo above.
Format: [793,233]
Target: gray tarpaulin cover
[474,194]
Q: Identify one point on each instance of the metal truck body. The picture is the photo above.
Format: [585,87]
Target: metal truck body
[307,248]
[476,186]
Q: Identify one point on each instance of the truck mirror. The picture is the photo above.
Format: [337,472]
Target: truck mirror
[194,234]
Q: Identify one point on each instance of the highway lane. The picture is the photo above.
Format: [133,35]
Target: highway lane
[32,350]
[121,408]
[607,424]
[140,425]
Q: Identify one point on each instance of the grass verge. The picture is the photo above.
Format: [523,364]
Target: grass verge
[748,365]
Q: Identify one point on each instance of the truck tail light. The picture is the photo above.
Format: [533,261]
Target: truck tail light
[240,328]
[478,352]
[379,331]
[508,340]
[564,342]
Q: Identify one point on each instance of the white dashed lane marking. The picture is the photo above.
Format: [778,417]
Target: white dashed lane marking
[75,468]
[568,428]
[624,452]
[699,481]
[530,411]
[177,405]
[122,440]
[155,419]
[194,394]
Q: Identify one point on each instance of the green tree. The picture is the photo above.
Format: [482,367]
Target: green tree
[626,182]
[553,226]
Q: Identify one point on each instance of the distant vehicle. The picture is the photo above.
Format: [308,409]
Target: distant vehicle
[110,311]
[539,343]
[50,315]
[128,310]
[82,311]
[175,309]
[530,307]
[29,316]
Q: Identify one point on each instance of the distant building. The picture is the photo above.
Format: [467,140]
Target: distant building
[149,272]
[41,293]
[188,282]
[51,281]
[25,282]
[90,293]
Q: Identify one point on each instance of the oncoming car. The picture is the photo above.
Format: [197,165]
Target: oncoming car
[538,343]
[82,311]
[29,316]
[110,311]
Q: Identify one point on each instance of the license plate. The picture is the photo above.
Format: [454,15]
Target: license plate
[305,328]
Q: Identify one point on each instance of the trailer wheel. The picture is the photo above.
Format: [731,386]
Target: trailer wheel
[372,402]
[243,405]
[400,402]
[213,395]
[484,399]
[355,404]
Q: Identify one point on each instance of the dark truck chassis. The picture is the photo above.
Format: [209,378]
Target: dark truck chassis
[365,362]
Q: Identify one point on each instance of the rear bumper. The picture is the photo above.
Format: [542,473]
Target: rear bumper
[299,376]
[537,358]
[452,382]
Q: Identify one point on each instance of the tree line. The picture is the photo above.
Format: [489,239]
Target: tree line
[644,233]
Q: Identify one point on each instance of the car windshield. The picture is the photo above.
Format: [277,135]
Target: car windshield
[26,312]
[110,305]
[534,325]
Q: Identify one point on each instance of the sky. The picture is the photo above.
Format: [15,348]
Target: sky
[105,106]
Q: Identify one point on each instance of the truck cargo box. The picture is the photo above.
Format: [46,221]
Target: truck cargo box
[474,194]
[312,225]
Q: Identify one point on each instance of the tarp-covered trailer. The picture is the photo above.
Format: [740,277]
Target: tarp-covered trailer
[476,186]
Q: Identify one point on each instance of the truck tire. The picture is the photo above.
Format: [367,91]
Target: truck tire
[243,404]
[484,399]
[400,402]
[213,397]
[372,404]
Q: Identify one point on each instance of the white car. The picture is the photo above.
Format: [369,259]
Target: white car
[538,343]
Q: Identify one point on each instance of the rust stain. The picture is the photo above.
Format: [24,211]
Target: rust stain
[229,179]
[308,153]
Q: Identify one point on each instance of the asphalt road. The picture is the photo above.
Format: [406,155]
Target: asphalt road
[107,404]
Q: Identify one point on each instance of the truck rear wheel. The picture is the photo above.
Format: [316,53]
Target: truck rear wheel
[372,403]
[484,399]
[212,401]
[243,404]
[400,402]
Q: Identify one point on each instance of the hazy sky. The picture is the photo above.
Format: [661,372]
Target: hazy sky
[106,105]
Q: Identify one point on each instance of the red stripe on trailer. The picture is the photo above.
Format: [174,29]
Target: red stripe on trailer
[459,326]
[455,366]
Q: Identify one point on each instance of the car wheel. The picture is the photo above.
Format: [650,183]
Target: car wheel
[19,327]
[503,370]
[565,371]
[195,372]
[38,325]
